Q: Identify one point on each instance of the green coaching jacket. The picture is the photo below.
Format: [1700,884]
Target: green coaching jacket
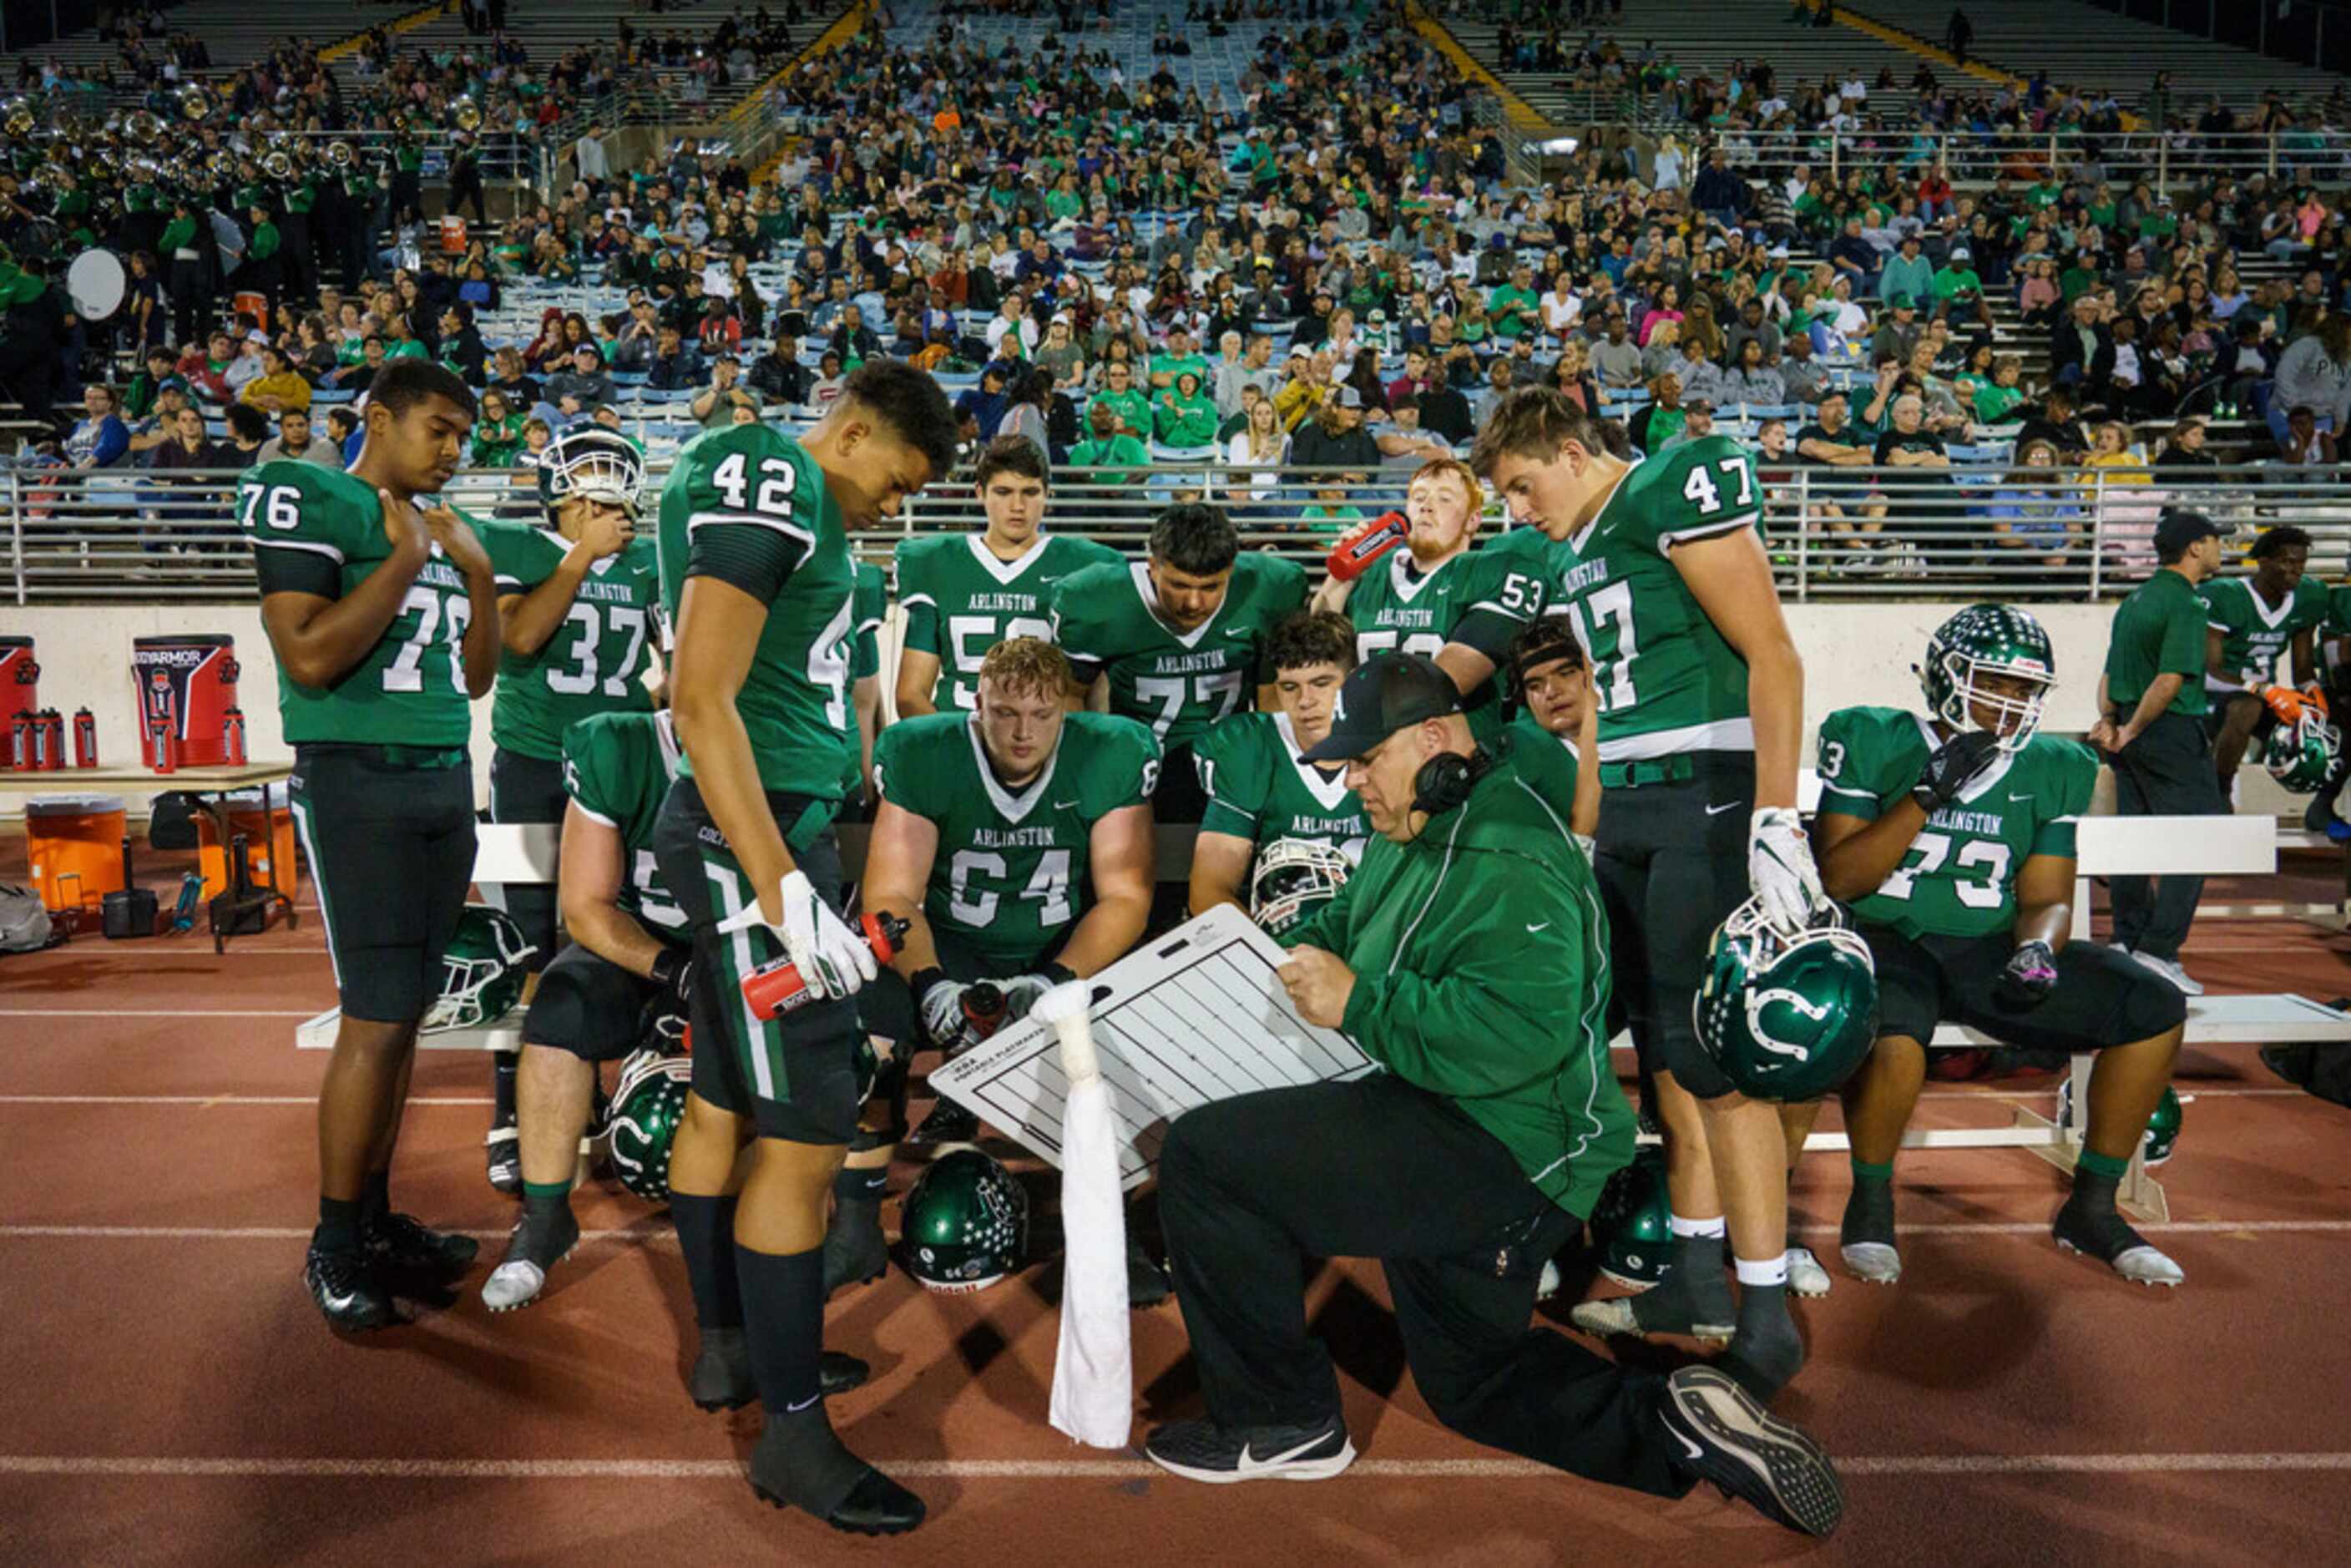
[1481,974]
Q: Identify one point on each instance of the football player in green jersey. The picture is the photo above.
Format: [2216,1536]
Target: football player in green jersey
[1556,735]
[964,593]
[577,598]
[1437,596]
[755,569]
[1177,642]
[630,954]
[1951,833]
[1661,571]
[1015,842]
[871,597]
[1261,793]
[382,609]
[2275,610]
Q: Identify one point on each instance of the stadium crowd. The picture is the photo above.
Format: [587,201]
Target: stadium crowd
[1330,271]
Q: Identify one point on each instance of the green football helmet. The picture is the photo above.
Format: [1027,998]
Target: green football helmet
[1632,1225]
[2162,1134]
[642,1121]
[1293,878]
[2301,755]
[965,1223]
[1787,1018]
[1989,640]
[481,971]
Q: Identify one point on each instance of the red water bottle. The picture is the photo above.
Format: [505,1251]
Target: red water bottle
[775,987]
[55,722]
[984,1007]
[44,754]
[85,738]
[232,736]
[20,742]
[163,746]
[1365,544]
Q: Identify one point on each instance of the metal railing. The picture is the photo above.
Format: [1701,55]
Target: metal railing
[129,535]
[2166,161]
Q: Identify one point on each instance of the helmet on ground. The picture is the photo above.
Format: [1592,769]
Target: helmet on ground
[1292,878]
[642,1122]
[965,1223]
[592,463]
[2162,1134]
[482,970]
[1786,1018]
[1632,1225]
[2301,755]
[1989,640]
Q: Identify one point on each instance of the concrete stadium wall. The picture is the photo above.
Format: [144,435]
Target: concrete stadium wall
[1853,652]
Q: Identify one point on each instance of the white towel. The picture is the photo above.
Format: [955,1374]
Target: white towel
[1093,1372]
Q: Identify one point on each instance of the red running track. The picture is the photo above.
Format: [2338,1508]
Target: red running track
[173,1399]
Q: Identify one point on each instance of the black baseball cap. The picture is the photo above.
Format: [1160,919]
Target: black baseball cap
[2179,528]
[1386,693]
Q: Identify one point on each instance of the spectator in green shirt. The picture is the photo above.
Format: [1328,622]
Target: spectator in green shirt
[1907,273]
[1185,417]
[1515,307]
[1181,356]
[497,434]
[1957,274]
[1124,459]
[1129,405]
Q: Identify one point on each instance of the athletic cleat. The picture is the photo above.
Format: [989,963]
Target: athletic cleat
[347,1291]
[2109,1239]
[1722,1435]
[855,1252]
[872,1505]
[531,1251]
[1147,1283]
[948,1123]
[1615,1318]
[1805,1275]
[1204,1451]
[502,1152]
[721,1378]
[401,1243]
[1875,1263]
[1548,1284]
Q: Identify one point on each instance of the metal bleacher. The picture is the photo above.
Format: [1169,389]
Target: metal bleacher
[1214,65]
[236,32]
[2088,47]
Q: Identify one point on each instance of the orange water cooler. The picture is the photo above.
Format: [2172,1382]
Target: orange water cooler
[73,843]
[266,821]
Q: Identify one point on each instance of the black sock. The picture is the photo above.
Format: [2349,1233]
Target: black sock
[338,1226]
[1767,1350]
[783,1323]
[503,1064]
[2093,1192]
[375,1197]
[706,1232]
[856,1184]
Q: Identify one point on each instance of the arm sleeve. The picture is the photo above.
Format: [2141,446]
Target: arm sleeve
[1483,1014]
[1847,786]
[871,608]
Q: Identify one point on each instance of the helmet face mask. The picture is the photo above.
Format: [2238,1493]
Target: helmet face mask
[481,971]
[1292,878]
[591,464]
[2300,756]
[1989,640]
[1786,1018]
[648,1106]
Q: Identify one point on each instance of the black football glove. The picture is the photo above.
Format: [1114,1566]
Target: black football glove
[669,1008]
[2030,976]
[1956,761]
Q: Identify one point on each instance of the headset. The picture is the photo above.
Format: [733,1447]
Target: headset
[1446,779]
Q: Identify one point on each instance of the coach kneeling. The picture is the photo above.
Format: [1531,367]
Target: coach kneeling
[1468,956]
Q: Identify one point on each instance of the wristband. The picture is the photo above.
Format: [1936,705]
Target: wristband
[666,965]
[1060,974]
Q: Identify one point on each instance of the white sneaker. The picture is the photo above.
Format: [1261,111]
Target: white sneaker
[1805,1275]
[2170,970]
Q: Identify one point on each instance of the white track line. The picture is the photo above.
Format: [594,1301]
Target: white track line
[207,1100]
[658,1234]
[1113,1469]
[154,1013]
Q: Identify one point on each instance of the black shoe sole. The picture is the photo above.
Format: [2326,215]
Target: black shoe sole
[1723,1435]
[772,1500]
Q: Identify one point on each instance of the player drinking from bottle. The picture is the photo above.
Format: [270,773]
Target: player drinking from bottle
[1662,573]
[382,609]
[1016,841]
[755,569]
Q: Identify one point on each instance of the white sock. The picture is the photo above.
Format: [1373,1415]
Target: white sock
[1772,1270]
[1712,1226]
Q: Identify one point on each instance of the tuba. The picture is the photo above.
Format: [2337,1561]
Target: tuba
[466,114]
[194,102]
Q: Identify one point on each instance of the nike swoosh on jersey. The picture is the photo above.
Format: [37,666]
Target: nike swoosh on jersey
[2016,797]
[1545,926]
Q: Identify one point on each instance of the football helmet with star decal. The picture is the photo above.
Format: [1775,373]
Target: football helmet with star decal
[1990,640]
[965,1223]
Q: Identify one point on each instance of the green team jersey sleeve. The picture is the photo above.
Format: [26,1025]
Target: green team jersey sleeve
[1120,760]
[1707,488]
[1504,596]
[2074,774]
[1863,755]
[1281,590]
[617,769]
[1233,765]
[908,764]
[918,594]
[750,499]
[873,610]
[321,532]
[1085,618]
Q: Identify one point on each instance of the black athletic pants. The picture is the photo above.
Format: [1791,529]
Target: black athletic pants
[1251,1187]
[2167,771]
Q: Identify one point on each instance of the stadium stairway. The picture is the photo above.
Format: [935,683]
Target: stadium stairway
[2086,47]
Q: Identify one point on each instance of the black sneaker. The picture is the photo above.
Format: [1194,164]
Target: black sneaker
[502,1154]
[1722,1435]
[347,1291]
[948,1123]
[721,1378]
[1204,1451]
[541,1240]
[401,1243]
[855,1252]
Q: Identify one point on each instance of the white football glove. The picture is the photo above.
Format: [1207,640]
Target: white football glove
[944,1020]
[832,957]
[1020,994]
[1779,868]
